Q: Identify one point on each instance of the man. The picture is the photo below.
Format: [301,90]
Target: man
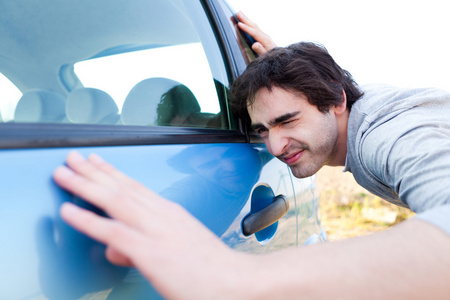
[310,113]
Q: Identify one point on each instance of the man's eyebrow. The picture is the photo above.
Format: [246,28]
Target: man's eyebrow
[277,120]
[283,118]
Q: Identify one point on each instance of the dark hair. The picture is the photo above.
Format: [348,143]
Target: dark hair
[305,68]
[178,101]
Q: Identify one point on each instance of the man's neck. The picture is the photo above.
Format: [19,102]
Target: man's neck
[340,155]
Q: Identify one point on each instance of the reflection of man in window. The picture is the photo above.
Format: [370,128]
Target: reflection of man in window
[177,106]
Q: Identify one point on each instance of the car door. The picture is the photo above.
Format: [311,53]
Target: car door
[144,84]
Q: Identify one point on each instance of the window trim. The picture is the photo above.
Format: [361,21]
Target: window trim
[232,54]
[32,135]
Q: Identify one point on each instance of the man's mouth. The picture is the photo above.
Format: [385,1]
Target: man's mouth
[292,158]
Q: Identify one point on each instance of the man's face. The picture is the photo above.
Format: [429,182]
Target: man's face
[294,131]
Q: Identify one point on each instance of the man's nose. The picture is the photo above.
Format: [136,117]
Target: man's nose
[277,142]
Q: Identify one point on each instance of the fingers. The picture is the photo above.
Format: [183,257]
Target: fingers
[259,48]
[81,166]
[96,169]
[264,42]
[117,258]
[119,238]
[105,191]
[264,39]
[244,19]
[119,177]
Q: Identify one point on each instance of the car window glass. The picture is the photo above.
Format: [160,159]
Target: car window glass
[146,63]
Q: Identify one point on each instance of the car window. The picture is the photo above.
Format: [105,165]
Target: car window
[140,63]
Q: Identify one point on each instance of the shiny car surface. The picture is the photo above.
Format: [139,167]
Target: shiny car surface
[143,83]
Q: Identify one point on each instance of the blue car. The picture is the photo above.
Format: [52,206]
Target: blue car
[144,84]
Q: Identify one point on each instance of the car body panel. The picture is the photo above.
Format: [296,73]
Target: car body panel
[214,182]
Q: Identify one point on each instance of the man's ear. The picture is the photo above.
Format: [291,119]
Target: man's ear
[342,107]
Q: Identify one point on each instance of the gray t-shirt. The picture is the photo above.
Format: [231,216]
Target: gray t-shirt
[398,147]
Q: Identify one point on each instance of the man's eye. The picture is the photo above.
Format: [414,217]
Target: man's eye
[288,122]
[260,130]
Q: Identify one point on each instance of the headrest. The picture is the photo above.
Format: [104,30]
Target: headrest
[158,101]
[40,106]
[91,106]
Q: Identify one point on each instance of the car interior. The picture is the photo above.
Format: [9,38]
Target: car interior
[43,41]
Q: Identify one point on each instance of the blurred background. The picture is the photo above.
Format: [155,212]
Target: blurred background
[397,42]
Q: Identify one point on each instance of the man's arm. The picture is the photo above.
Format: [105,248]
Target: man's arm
[408,261]
[183,259]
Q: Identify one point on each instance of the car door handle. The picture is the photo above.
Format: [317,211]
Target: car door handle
[257,221]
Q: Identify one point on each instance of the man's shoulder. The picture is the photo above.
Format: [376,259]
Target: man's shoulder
[384,102]
[377,96]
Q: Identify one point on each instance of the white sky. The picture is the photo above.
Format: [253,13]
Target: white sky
[399,42]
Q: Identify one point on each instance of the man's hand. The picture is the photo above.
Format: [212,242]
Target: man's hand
[263,43]
[172,249]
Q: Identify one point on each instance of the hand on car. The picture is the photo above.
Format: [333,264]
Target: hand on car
[171,248]
[264,42]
